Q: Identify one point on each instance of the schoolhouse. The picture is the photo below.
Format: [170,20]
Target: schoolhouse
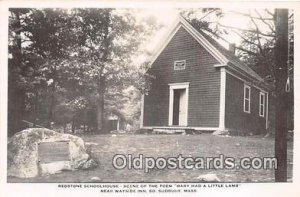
[200,85]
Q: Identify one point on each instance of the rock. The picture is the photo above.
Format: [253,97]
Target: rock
[118,132]
[95,178]
[89,164]
[91,143]
[113,135]
[23,154]
[208,178]
[249,180]
[221,132]
[81,161]
[53,168]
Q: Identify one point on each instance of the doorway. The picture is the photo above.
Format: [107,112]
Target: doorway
[179,107]
[178,111]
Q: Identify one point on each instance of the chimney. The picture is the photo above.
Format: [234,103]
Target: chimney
[232,48]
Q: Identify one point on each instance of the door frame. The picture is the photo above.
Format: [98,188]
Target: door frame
[172,87]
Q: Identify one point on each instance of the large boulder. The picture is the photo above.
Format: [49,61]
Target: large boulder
[23,158]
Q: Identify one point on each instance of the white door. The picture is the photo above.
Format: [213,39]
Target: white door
[178,104]
[183,108]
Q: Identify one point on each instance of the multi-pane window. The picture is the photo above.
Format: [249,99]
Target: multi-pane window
[262,104]
[179,65]
[247,92]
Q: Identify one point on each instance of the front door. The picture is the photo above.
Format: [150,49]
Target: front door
[180,107]
[178,104]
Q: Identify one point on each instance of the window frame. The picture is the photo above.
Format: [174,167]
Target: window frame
[247,99]
[179,61]
[262,102]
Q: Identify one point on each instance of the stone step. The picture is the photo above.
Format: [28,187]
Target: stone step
[170,130]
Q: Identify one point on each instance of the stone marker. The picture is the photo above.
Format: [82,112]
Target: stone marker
[38,151]
[53,151]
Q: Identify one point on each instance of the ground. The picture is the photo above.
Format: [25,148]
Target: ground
[104,147]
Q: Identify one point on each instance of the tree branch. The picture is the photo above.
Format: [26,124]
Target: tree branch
[237,47]
[270,13]
[264,21]
[245,39]
[216,35]
[245,50]
[246,30]
[207,14]
[248,15]
[257,35]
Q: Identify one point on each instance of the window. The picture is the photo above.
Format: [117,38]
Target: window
[247,92]
[179,65]
[262,104]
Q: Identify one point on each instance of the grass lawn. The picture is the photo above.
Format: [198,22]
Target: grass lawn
[104,147]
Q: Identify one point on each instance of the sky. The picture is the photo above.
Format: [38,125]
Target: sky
[166,17]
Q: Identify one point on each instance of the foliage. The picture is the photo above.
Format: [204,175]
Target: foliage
[71,63]
[257,41]
[257,47]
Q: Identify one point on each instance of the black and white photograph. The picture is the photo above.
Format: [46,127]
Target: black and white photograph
[141,100]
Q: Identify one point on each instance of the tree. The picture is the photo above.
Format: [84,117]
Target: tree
[16,86]
[73,61]
[107,39]
[49,34]
[267,47]
[257,40]
[281,73]
[43,39]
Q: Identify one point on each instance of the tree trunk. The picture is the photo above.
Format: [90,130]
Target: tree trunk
[100,127]
[281,55]
[73,126]
[36,107]
[100,106]
[52,96]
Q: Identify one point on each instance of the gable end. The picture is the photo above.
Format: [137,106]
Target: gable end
[195,34]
